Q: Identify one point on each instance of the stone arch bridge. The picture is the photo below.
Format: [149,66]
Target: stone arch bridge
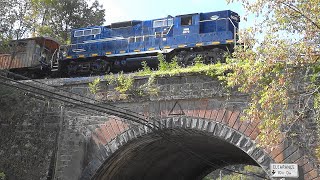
[198,130]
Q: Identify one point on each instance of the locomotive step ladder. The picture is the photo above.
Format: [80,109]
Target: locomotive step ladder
[54,61]
[57,55]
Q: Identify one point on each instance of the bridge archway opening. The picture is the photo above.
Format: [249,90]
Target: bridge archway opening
[186,154]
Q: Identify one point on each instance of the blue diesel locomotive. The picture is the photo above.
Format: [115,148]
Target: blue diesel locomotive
[124,45]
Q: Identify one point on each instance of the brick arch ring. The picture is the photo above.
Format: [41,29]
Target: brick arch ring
[139,152]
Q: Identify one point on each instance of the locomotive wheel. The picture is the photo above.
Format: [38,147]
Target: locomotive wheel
[180,58]
[213,56]
[208,57]
[108,69]
[219,55]
[72,69]
[186,58]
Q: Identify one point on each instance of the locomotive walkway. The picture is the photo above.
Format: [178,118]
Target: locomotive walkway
[189,128]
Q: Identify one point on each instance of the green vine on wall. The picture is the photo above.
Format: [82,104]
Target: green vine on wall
[124,83]
[94,86]
[2,176]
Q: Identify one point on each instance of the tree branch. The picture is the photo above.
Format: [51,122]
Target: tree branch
[296,9]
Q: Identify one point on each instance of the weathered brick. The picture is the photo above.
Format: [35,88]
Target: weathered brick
[202,108]
[244,126]
[190,108]
[214,113]
[307,168]
[221,114]
[197,108]
[311,175]
[233,118]
[227,116]
[237,124]
[255,133]
[279,158]
[293,157]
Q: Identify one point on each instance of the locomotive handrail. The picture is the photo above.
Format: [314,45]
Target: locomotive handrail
[78,50]
[105,39]
[234,32]
[169,29]
[52,57]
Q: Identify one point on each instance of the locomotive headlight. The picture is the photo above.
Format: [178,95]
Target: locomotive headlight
[215,17]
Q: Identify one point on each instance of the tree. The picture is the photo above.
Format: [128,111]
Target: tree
[57,17]
[282,67]
[16,19]
[54,18]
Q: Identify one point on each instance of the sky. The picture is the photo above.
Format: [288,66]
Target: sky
[126,10]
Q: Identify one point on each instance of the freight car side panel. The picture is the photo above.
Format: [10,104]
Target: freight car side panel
[6,61]
[27,55]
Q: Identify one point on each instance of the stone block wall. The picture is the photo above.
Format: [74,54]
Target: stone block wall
[186,95]
[28,133]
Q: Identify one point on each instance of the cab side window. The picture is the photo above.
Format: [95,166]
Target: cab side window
[186,20]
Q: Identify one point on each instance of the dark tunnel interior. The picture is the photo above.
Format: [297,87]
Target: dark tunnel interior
[182,154]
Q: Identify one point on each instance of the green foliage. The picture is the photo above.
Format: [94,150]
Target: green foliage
[2,176]
[94,86]
[198,61]
[110,78]
[254,169]
[163,65]
[174,63]
[233,177]
[167,66]
[317,117]
[4,46]
[56,17]
[124,83]
[207,178]
[16,19]
[146,70]
[286,52]
[248,173]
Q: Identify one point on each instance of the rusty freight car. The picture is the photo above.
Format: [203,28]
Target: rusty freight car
[29,57]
